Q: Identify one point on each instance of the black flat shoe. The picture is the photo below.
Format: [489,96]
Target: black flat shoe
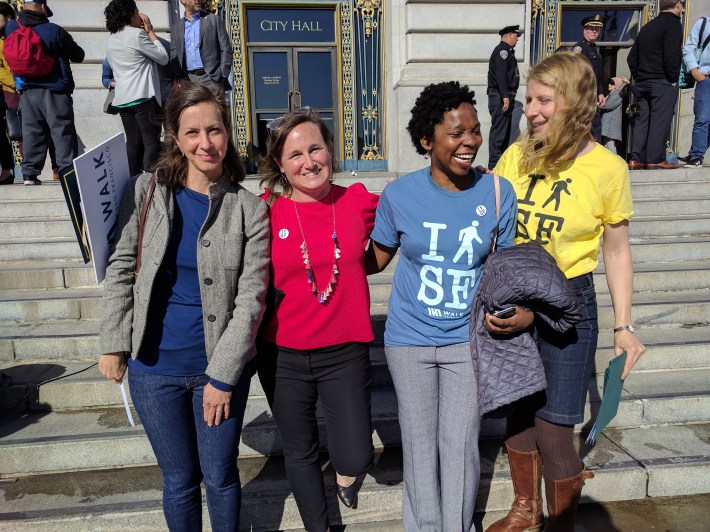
[348,496]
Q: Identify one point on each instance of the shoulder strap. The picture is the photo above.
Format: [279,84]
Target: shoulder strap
[496,185]
[142,221]
[700,36]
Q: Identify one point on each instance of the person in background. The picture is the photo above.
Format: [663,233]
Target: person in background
[443,219]
[47,104]
[696,55]
[314,347]
[201,49]
[10,99]
[503,82]
[592,28]
[185,326]
[612,114]
[133,50]
[654,61]
[570,192]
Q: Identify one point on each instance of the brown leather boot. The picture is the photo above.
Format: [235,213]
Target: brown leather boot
[526,513]
[562,501]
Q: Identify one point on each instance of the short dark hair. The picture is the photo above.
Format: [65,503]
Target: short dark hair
[118,14]
[7,11]
[269,166]
[432,104]
[667,4]
[171,166]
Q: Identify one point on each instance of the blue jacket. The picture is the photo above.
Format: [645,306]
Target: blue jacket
[58,43]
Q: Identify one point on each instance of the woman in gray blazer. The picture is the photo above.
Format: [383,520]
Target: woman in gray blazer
[185,326]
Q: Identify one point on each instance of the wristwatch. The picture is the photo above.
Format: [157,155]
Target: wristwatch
[629,328]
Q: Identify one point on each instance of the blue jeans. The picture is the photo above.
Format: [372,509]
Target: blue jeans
[189,451]
[569,358]
[701,108]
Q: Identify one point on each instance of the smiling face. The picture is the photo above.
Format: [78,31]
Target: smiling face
[203,138]
[541,104]
[455,144]
[306,163]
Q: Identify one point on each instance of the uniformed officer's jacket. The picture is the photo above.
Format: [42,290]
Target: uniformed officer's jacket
[503,75]
[591,52]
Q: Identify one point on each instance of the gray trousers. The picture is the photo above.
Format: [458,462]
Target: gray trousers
[45,115]
[438,417]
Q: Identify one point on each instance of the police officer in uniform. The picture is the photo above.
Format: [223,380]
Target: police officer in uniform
[503,81]
[592,28]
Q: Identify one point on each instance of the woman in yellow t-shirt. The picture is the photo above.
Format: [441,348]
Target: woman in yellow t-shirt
[570,192]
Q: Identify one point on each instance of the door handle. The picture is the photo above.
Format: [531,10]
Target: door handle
[288,101]
[299,101]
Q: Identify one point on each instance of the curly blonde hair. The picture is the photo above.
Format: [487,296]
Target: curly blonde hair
[571,76]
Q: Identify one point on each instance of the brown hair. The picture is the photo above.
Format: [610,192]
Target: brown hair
[280,128]
[667,4]
[571,76]
[171,166]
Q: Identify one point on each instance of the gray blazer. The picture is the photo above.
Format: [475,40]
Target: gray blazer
[215,48]
[233,252]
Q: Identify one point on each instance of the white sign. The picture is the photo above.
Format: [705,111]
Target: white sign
[102,174]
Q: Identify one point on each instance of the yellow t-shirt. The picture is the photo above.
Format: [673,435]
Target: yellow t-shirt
[6,79]
[566,213]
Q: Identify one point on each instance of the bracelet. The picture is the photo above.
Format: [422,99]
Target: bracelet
[629,328]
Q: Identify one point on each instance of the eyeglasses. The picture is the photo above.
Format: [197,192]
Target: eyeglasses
[610,81]
[276,122]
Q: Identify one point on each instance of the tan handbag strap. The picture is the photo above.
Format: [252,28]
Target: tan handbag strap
[496,185]
[143,219]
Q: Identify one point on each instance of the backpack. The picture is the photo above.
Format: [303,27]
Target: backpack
[26,55]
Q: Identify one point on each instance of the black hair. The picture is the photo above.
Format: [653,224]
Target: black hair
[118,14]
[7,11]
[432,104]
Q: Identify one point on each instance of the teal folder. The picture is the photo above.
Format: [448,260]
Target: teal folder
[610,397]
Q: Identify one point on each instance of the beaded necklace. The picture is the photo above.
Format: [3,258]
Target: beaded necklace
[321,295]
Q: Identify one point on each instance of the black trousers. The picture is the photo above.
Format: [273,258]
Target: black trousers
[142,126]
[47,117]
[656,99]
[501,125]
[293,381]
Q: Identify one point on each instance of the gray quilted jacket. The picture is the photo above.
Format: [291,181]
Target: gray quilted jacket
[508,367]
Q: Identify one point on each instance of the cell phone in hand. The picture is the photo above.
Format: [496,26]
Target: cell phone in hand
[506,312]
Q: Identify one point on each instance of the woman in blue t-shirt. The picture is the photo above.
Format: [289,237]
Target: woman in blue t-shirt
[443,219]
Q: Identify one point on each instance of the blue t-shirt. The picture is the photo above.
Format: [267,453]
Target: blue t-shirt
[444,238]
[174,342]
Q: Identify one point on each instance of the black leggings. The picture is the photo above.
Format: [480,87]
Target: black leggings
[142,126]
[293,381]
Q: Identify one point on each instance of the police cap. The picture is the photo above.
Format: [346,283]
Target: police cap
[510,29]
[594,21]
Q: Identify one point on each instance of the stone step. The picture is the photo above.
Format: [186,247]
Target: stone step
[668,207]
[21,209]
[668,226]
[45,227]
[82,299]
[668,176]
[625,468]
[667,349]
[32,275]
[670,249]
[92,15]
[102,437]
[650,309]
[42,249]
[77,338]
[681,189]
